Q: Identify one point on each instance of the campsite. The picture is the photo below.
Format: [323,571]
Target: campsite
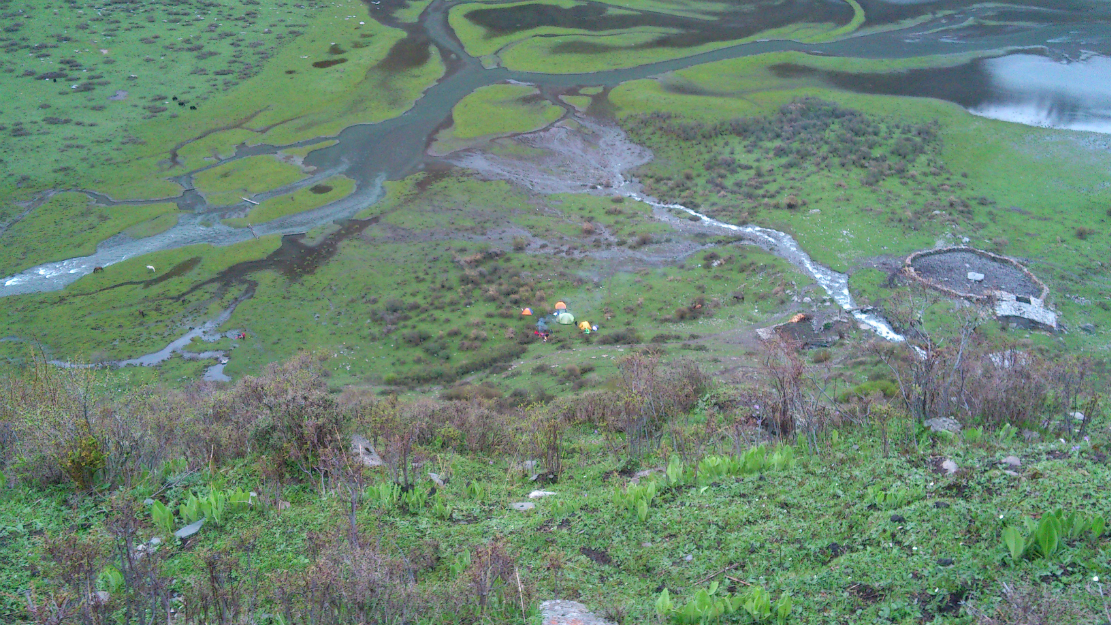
[554,312]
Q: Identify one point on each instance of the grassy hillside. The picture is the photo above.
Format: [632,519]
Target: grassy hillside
[663,489]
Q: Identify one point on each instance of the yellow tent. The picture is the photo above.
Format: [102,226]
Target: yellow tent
[527,312]
[584,325]
[561,306]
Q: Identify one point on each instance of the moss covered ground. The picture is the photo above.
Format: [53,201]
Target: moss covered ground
[127,311]
[299,201]
[496,111]
[196,85]
[70,224]
[229,183]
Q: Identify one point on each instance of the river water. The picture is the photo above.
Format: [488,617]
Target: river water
[1061,80]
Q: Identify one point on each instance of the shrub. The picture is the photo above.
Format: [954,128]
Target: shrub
[821,356]
[468,392]
[648,395]
[289,413]
[626,336]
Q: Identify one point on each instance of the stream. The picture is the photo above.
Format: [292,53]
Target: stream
[359,152]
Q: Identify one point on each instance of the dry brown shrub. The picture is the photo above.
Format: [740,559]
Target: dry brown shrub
[1024,604]
[493,573]
[592,407]
[287,412]
[648,395]
[345,583]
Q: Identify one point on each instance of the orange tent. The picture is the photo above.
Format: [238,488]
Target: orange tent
[527,312]
[561,306]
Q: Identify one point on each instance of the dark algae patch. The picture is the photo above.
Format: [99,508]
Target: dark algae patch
[320,189]
[329,63]
[413,51]
[967,84]
[728,25]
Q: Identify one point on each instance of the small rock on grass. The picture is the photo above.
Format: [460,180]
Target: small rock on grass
[1011,473]
[522,506]
[949,466]
[537,494]
[945,562]
[1012,462]
[560,612]
[190,529]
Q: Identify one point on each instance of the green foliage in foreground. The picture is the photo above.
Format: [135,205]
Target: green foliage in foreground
[802,543]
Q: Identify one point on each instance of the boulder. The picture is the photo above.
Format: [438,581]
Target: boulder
[559,612]
[1012,462]
[362,448]
[942,424]
[975,277]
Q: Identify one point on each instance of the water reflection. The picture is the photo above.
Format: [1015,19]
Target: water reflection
[1038,91]
[1024,88]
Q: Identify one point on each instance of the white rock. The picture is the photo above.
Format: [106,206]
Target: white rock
[1012,461]
[1077,416]
[940,424]
[569,613]
[362,448]
[537,494]
[1011,473]
[806,300]
[975,277]
[522,506]
[436,480]
[950,466]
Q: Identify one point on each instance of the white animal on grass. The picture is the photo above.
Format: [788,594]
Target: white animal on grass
[150,268]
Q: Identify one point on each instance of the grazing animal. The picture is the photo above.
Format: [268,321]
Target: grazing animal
[98,269]
[150,268]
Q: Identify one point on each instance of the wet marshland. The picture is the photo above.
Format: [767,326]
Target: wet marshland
[1061,80]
